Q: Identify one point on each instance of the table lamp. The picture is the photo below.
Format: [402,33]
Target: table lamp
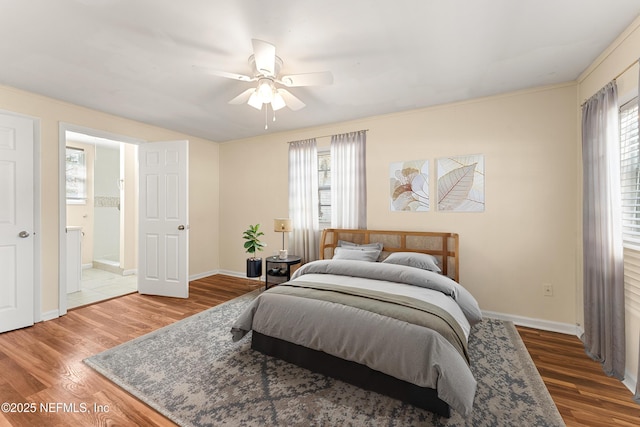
[282,225]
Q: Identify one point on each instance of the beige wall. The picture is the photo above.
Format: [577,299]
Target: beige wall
[129,215]
[526,236]
[203,178]
[619,62]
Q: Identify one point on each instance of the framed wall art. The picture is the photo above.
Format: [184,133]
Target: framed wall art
[409,186]
[460,184]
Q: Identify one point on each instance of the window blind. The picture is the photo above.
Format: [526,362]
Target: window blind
[630,173]
[632,280]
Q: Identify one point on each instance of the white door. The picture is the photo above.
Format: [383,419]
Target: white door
[163,219]
[16,223]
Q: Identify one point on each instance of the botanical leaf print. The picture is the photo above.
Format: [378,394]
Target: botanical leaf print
[454,187]
[409,186]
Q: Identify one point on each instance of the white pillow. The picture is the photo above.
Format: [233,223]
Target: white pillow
[345,244]
[414,259]
[356,254]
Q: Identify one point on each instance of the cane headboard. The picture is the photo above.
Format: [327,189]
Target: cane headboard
[443,246]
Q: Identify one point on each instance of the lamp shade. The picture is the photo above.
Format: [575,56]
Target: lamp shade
[282,225]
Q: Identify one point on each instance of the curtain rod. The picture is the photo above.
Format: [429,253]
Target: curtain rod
[327,136]
[627,68]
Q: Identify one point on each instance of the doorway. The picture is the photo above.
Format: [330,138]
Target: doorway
[101,211]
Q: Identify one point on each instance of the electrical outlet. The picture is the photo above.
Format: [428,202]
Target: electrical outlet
[547,290]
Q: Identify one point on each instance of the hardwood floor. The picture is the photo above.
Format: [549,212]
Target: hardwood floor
[42,365]
[45,382]
[584,395]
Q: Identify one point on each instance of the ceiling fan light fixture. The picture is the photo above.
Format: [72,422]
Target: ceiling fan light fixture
[265,68]
[255,101]
[265,90]
[278,102]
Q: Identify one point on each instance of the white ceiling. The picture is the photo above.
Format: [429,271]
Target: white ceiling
[135,58]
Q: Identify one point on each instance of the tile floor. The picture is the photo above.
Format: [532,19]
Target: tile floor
[97,285]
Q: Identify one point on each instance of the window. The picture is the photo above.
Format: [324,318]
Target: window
[76,176]
[324,188]
[630,173]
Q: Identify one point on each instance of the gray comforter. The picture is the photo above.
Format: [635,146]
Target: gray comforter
[413,324]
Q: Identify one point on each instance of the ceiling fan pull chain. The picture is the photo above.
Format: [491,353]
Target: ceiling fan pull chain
[266,115]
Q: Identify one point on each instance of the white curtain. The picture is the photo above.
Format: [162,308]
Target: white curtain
[348,180]
[604,335]
[303,198]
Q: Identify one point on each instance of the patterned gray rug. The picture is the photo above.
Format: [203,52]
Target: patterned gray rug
[192,373]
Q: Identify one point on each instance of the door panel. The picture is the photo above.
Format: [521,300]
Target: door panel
[16,223]
[164,230]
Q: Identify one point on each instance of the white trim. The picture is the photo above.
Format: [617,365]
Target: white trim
[62,198]
[131,272]
[630,382]
[37,223]
[202,275]
[50,315]
[242,275]
[62,221]
[545,325]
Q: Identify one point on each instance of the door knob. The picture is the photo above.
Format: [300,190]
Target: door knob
[181,227]
[23,234]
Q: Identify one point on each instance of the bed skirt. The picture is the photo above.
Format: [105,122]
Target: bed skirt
[350,372]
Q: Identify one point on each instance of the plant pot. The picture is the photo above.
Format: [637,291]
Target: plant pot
[254,267]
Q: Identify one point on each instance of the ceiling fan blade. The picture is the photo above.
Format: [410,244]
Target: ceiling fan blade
[308,79]
[265,57]
[243,97]
[234,76]
[292,102]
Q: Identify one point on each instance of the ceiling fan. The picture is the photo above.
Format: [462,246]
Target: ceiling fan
[265,69]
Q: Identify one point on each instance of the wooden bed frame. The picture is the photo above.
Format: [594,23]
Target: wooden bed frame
[444,246]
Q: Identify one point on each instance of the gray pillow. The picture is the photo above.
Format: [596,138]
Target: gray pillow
[356,253]
[414,259]
[345,244]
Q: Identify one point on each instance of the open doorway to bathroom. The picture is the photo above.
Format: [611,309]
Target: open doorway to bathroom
[102,211]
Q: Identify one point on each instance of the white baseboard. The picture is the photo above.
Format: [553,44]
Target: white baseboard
[240,274]
[545,325]
[630,382]
[49,315]
[205,274]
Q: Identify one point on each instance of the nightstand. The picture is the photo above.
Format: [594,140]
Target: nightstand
[279,270]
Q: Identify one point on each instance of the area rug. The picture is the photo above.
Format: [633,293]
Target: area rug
[193,373]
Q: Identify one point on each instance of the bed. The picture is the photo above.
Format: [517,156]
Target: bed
[380,309]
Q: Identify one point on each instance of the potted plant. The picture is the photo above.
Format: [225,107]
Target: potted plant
[252,245]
